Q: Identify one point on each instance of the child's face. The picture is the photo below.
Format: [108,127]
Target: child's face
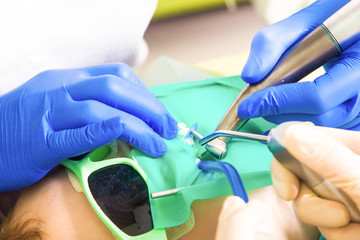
[67,214]
[64,212]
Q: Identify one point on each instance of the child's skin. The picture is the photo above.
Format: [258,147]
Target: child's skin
[66,213]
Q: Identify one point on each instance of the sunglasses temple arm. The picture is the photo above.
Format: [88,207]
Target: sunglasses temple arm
[166,192]
[214,166]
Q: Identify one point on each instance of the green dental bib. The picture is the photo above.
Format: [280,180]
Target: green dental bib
[202,102]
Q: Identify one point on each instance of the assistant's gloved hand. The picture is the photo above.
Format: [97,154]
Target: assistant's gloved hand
[239,220]
[335,155]
[62,113]
[331,100]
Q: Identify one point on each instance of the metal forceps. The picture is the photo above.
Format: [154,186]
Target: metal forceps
[275,142]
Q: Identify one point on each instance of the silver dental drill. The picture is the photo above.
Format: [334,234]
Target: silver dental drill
[305,56]
[276,143]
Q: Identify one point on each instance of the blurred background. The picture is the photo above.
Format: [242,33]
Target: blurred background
[197,31]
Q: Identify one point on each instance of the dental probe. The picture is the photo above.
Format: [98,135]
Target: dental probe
[311,52]
[275,142]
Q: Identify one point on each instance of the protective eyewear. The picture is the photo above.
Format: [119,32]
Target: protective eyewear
[118,192]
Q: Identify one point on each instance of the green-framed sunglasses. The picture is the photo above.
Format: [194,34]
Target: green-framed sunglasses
[117,190]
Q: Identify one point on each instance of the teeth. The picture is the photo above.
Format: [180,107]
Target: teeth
[181,125]
[190,140]
[197,161]
[183,131]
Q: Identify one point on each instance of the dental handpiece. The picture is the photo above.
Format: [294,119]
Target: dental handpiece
[311,52]
[276,144]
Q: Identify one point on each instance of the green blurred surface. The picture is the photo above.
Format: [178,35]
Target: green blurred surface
[202,102]
[174,8]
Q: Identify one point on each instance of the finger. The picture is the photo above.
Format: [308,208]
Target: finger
[285,183]
[125,96]
[348,138]
[141,136]
[72,142]
[348,232]
[317,211]
[325,156]
[71,114]
[136,132]
[342,116]
[302,100]
[231,204]
[352,125]
[350,52]
[355,127]
[239,221]
[267,46]
[121,70]
[282,99]
[328,85]
[315,97]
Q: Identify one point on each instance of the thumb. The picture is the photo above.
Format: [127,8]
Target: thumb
[72,142]
[238,220]
[272,41]
[326,156]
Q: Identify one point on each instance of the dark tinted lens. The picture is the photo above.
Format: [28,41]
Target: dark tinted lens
[122,194]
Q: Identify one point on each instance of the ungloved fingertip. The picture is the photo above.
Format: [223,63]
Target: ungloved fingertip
[308,123]
[234,201]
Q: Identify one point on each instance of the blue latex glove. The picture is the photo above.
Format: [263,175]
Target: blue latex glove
[331,100]
[62,113]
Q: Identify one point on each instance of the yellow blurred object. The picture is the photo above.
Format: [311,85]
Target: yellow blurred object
[174,8]
[231,65]
[228,65]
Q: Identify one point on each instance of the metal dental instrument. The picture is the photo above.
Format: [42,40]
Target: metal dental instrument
[166,192]
[275,141]
[231,173]
[305,56]
[209,147]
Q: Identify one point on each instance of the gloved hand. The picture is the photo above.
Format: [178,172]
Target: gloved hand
[333,154]
[331,100]
[239,220]
[62,113]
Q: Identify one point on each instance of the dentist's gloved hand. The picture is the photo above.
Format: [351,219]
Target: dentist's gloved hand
[62,113]
[335,155]
[331,100]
